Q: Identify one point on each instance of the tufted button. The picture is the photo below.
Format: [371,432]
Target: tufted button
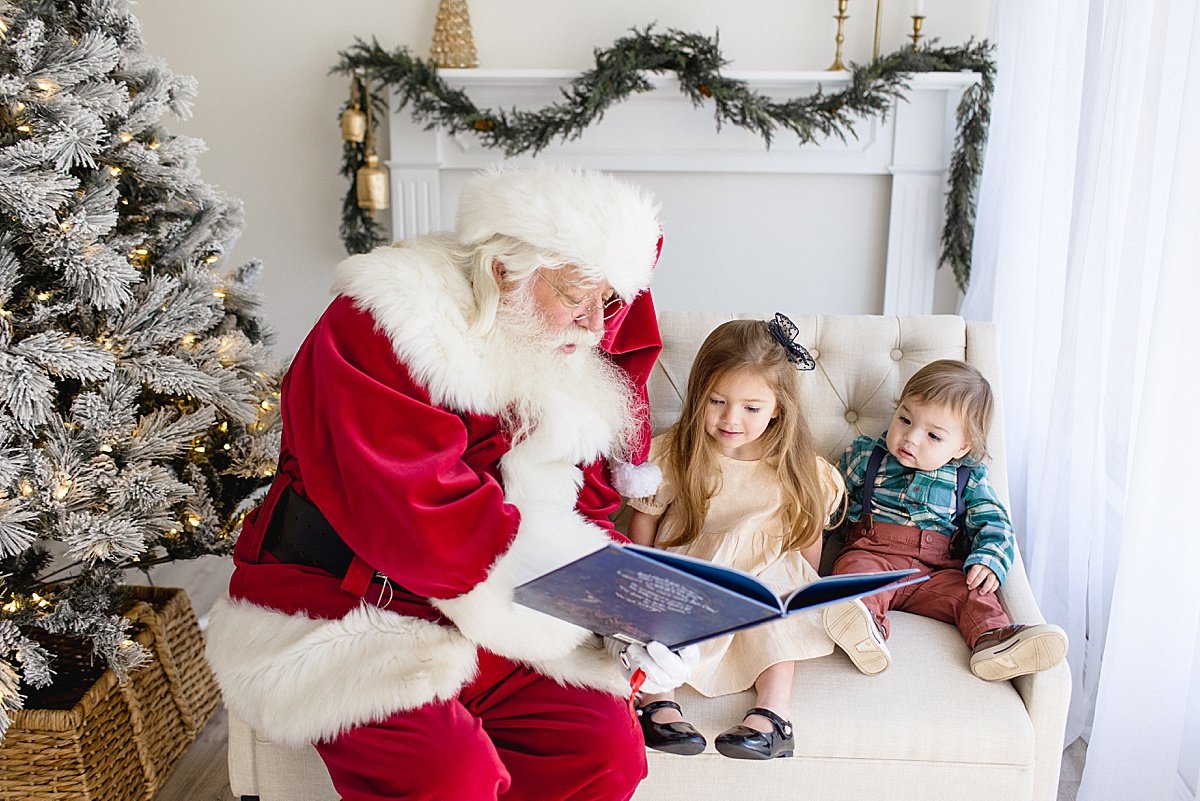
[897,354]
[851,415]
[816,354]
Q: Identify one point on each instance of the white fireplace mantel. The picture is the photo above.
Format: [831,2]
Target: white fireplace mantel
[662,132]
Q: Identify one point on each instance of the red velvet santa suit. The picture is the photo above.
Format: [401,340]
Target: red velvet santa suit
[392,429]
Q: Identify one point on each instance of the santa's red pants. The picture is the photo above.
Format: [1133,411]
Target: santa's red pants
[512,734]
[944,596]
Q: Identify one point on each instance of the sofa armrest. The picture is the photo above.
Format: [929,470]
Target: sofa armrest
[268,771]
[1047,694]
[243,773]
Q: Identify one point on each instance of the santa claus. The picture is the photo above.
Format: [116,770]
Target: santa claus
[451,426]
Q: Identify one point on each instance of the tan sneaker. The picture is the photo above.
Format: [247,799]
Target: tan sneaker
[1005,653]
[852,626]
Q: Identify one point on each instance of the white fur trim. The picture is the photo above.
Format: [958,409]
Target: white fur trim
[548,538]
[544,486]
[607,228]
[589,665]
[421,300]
[298,680]
[636,480]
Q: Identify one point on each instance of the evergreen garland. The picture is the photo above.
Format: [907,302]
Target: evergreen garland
[697,62]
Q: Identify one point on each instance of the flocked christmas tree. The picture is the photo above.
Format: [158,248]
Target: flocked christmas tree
[138,398]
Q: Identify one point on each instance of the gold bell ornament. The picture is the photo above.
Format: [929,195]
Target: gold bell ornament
[354,121]
[371,179]
[371,183]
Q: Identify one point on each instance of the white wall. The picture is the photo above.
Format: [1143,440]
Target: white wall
[268,110]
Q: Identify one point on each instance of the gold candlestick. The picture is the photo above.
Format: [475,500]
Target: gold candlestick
[841,20]
[878,22]
[916,34]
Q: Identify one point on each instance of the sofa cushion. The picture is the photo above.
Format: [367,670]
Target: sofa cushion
[926,722]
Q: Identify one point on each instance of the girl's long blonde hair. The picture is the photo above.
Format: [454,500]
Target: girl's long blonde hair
[691,455]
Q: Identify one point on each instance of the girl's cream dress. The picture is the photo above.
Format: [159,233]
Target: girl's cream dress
[743,530]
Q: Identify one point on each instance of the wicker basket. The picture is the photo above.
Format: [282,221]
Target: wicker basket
[180,647]
[114,742]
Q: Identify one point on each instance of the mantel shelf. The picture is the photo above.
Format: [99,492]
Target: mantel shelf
[757,79]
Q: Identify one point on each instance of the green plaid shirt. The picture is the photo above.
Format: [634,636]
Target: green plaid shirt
[925,498]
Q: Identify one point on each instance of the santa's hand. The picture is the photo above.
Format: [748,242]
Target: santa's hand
[664,669]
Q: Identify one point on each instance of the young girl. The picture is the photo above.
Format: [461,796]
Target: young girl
[743,486]
[919,497]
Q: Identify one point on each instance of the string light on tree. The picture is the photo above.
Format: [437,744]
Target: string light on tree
[129,361]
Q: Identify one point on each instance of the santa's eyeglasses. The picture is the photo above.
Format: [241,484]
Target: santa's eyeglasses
[585,307]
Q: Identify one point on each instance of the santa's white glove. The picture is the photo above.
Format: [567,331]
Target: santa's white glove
[664,669]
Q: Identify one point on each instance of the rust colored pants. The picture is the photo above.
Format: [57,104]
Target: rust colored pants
[511,734]
[874,547]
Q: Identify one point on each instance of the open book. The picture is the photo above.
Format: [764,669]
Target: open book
[641,594]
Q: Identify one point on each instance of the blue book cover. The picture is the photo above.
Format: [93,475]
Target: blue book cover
[641,594]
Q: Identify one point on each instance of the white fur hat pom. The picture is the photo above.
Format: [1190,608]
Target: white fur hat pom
[636,480]
[607,228]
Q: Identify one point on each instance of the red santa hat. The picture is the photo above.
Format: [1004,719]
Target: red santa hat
[633,342]
[606,228]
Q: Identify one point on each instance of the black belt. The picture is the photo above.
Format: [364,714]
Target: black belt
[299,534]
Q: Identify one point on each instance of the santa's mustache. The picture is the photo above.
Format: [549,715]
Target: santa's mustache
[574,335]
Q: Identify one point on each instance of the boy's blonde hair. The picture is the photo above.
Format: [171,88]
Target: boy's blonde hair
[787,443]
[961,388]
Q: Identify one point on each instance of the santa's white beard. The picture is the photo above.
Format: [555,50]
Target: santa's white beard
[551,378]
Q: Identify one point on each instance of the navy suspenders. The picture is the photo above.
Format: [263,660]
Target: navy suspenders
[959,541]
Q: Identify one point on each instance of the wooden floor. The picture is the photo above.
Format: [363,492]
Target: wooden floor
[202,773]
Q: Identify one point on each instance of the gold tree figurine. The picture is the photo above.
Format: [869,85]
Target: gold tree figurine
[453,45]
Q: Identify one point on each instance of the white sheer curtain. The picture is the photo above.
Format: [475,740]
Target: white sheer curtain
[1087,257]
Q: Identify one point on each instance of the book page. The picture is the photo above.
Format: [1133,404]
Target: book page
[618,592]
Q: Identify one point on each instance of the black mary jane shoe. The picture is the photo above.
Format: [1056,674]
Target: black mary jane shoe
[743,742]
[680,737]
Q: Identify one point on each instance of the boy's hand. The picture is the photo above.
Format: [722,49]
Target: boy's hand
[983,579]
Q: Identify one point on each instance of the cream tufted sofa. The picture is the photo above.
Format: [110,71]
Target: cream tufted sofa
[926,729]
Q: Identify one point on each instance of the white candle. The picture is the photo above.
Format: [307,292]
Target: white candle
[918,8]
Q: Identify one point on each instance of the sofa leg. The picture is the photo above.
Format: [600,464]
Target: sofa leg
[249,798]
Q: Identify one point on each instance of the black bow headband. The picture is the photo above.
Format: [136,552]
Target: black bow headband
[785,332]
